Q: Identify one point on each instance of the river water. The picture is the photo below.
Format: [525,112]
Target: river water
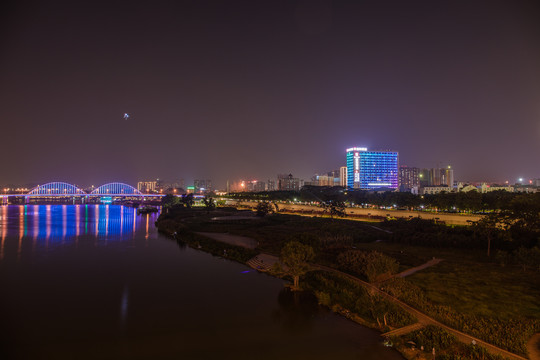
[99,282]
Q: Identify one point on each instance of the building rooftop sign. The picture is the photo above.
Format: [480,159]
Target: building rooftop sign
[356,149]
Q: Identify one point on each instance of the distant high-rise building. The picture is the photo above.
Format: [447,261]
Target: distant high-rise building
[408,178]
[325,180]
[147,186]
[437,177]
[330,179]
[343,176]
[271,185]
[202,185]
[447,177]
[178,183]
[254,186]
[371,169]
[288,183]
[424,178]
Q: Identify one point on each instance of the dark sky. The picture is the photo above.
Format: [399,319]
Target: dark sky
[248,89]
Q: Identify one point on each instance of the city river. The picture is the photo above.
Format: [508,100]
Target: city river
[99,282]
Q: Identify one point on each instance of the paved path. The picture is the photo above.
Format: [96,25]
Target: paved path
[404,330]
[231,239]
[425,319]
[533,347]
[378,228]
[422,318]
[418,268]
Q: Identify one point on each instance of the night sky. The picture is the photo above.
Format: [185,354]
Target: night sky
[248,89]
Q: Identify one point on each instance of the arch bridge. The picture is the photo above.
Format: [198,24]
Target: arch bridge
[58,189]
[115,189]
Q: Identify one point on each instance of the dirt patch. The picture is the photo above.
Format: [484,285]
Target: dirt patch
[232,239]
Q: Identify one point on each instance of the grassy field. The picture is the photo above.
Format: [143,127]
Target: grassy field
[469,281]
[467,291]
[482,289]
[273,231]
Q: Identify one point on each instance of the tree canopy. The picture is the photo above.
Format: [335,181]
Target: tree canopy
[295,256]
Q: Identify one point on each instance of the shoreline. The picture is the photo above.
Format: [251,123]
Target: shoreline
[404,350]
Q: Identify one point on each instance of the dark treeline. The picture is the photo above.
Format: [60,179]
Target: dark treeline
[468,201]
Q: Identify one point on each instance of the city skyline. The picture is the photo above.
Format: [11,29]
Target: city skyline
[93,93]
[192,181]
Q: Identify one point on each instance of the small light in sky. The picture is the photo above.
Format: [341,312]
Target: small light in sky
[126,116]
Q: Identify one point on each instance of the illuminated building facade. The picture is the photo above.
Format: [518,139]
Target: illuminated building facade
[437,177]
[408,178]
[288,183]
[147,186]
[447,176]
[343,176]
[371,169]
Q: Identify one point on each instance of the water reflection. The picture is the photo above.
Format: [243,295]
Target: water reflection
[60,225]
[3,225]
[297,309]
[124,305]
[122,300]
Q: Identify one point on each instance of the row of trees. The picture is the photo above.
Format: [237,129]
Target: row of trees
[518,221]
[469,201]
[373,266]
[171,201]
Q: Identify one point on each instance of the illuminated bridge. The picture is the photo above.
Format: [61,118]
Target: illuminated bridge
[65,190]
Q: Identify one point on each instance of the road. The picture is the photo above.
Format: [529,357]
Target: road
[449,219]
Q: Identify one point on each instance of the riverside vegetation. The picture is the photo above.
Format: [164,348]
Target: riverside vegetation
[495,298]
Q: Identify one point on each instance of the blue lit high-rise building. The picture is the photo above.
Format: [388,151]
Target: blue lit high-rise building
[371,169]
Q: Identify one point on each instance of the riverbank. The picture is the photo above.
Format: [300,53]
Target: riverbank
[273,231]
[79,282]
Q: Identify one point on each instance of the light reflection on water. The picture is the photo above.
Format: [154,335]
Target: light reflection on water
[59,225]
[99,282]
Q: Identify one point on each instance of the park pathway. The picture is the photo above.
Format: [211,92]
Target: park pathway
[533,347]
[263,261]
[236,240]
[425,319]
[411,271]
[404,330]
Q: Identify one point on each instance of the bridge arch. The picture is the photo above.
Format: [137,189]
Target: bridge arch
[57,188]
[116,188]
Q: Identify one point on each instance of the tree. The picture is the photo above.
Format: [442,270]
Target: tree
[295,256]
[379,267]
[487,226]
[373,265]
[264,208]
[187,200]
[334,208]
[169,201]
[518,221]
[209,203]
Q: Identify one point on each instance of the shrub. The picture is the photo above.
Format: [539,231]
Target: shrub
[372,266]
[334,289]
